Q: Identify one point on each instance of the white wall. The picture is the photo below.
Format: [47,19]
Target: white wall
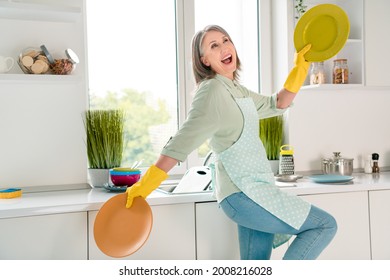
[42,134]
[353,122]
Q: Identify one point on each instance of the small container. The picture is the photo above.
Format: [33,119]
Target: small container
[317,73]
[34,61]
[286,160]
[375,166]
[368,164]
[65,66]
[340,71]
[337,165]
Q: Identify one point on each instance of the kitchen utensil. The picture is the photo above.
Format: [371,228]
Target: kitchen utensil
[337,165]
[287,178]
[6,63]
[326,27]
[196,179]
[121,231]
[330,178]
[286,160]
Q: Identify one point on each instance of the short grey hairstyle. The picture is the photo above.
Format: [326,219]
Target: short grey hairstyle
[201,71]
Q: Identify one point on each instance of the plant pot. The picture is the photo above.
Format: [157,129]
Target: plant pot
[98,177]
[274,166]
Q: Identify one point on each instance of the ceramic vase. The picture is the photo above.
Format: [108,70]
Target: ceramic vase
[98,177]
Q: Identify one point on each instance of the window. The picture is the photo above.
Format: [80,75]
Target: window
[140,60]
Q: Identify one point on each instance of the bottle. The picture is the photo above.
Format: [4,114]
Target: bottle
[340,71]
[317,73]
[375,166]
[368,164]
[286,160]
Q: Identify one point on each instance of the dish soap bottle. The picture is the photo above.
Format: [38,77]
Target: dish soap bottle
[286,160]
[375,166]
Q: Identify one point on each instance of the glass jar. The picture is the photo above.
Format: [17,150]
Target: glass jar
[340,71]
[317,73]
[65,66]
[35,60]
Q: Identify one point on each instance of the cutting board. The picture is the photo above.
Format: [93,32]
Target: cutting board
[196,179]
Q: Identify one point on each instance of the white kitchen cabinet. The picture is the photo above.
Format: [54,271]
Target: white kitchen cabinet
[47,237]
[380,224]
[377,42]
[216,235]
[352,240]
[172,236]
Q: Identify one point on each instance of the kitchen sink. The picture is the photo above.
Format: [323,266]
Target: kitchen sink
[168,189]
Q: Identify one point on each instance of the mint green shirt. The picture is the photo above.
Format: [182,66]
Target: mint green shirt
[215,115]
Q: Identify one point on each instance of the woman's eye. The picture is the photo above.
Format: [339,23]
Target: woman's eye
[226,40]
[214,46]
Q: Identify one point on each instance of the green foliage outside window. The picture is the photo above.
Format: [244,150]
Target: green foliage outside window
[140,117]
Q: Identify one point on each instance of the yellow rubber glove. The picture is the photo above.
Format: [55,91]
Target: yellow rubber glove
[148,183]
[298,74]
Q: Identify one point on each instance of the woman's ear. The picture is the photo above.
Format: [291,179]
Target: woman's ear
[204,61]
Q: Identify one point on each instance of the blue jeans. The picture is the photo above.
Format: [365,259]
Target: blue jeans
[256,229]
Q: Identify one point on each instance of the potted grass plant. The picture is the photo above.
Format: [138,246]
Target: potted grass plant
[271,134]
[105,137]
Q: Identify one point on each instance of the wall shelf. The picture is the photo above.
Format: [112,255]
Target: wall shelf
[30,78]
[38,12]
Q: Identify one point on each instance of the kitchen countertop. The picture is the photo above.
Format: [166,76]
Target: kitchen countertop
[66,201]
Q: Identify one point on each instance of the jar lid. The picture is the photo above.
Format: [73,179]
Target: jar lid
[72,56]
[375,156]
[340,60]
[337,158]
[47,54]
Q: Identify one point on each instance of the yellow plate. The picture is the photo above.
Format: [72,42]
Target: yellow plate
[121,231]
[326,28]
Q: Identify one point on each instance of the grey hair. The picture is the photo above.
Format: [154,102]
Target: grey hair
[201,71]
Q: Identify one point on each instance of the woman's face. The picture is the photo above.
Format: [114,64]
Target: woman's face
[219,53]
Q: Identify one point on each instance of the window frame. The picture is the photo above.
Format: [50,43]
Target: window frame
[185,27]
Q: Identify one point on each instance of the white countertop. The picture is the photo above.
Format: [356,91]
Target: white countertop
[54,202]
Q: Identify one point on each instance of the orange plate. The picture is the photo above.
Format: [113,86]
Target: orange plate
[121,231]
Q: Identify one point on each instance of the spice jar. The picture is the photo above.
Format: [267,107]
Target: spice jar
[317,73]
[340,71]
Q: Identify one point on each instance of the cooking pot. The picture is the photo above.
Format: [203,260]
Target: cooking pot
[337,165]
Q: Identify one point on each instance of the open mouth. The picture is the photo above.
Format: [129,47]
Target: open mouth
[227,59]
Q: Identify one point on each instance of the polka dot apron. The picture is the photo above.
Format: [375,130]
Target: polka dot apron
[247,166]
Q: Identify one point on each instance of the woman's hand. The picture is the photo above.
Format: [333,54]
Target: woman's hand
[298,73]
[151,180]
[148,183]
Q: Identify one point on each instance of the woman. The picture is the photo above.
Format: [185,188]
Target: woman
[227,113]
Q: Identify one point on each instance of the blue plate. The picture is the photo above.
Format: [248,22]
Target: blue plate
[330,178]
[113,188]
